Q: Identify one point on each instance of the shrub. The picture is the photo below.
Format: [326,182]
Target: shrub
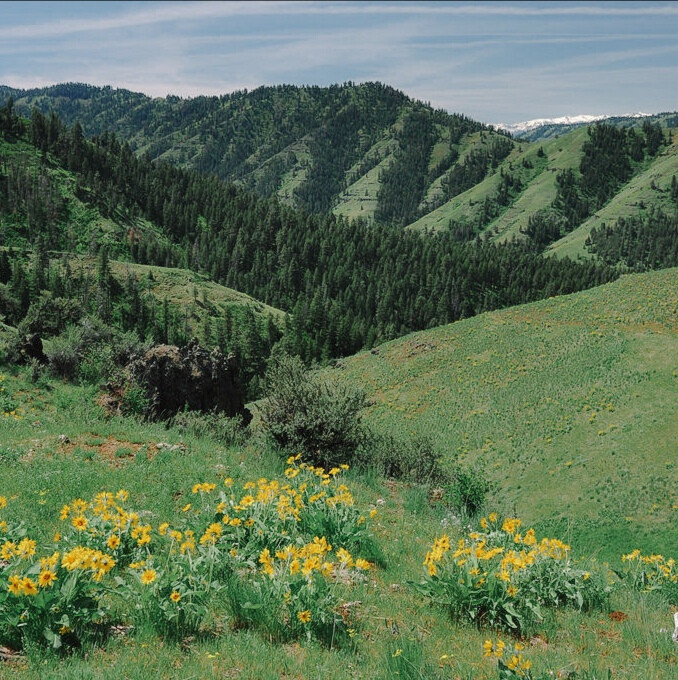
[414,459]
[133,400]
[8,403]
[469,490]
[224,430]
[91,350]
[304,412]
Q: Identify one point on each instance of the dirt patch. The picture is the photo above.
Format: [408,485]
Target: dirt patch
[115,452]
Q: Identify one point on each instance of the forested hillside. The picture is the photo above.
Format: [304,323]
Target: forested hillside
[346,284]
[369,152]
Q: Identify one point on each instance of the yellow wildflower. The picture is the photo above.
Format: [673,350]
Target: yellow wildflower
[28,586]
[80,523]
[46,578]
[305,616]
[148,576]
[113,541]
[14,586]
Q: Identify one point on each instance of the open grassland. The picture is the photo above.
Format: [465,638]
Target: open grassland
[570,403]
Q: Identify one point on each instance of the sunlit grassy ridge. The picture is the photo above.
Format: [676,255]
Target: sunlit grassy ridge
[650,189]
[569,404]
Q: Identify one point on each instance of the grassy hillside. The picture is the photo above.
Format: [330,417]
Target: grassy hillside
[568,404]
[648,190]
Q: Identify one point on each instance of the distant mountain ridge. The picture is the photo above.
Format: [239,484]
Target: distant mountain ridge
[545,128]
[369,152]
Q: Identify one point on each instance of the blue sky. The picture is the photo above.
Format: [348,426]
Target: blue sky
[494,61]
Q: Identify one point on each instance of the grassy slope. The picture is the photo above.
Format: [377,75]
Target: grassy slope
[637,195]
[466,205]
[186,291]
[538,192]
[452,381]
[359,199]
[569,403]
[560,154]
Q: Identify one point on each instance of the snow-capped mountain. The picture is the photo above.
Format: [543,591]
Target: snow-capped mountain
[582,119]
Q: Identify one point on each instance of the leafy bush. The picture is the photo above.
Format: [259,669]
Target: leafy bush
[224,430]
[304,412]
[469,490]
[414,459]
[63,355]
[91,351]
[8,403]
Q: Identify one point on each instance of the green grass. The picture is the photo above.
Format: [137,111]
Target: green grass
[296,175]
[359,199]
[494,388]
[569,404]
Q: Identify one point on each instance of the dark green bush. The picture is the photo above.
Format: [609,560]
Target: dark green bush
[469,490]
[91,351]
[306,413]
[225,431]
[414,459]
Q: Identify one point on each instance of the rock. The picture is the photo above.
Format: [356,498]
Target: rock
[174,378]
[180,447]
[30,347]
[63,439]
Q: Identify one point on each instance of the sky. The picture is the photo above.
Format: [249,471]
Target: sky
[497,62]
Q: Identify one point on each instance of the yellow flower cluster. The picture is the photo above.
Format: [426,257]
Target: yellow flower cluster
[24,549]
[22,585]
[101,536]
[309,558]
[660,568]
[435,554]
[478,548]
[492,649]
[515,662]
[88,559]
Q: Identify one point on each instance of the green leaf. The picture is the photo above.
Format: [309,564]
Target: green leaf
[252,605]
[53,638]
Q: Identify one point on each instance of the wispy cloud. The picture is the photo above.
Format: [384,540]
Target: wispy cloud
[158,13]
[491,60]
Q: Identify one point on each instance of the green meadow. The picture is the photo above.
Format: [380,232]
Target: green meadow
[568,406]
